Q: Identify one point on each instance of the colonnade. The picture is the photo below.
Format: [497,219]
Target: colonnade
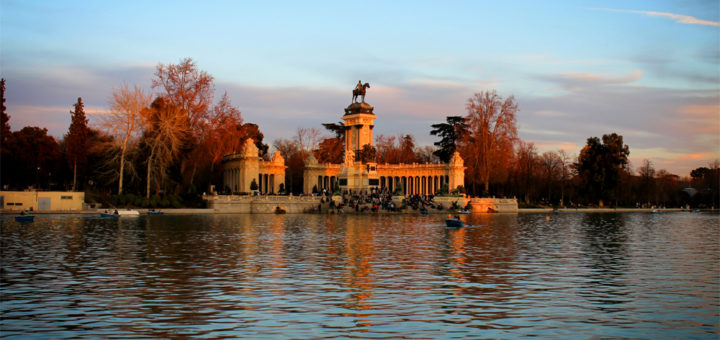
[326,182]
[415,185]
[266,182]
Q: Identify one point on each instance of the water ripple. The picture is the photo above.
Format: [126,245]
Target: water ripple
[315,276]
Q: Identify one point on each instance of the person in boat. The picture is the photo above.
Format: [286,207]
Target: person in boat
[116,212]
[23,212]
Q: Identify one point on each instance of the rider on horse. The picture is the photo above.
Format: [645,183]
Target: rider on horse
[359,90]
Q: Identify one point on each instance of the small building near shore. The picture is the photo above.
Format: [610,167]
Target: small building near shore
[42,200]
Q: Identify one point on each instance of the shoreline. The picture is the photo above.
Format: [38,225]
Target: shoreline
[208,211]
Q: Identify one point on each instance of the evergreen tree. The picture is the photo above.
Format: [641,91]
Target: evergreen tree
[5,134]
[76,139]
[450,133]
[4,118]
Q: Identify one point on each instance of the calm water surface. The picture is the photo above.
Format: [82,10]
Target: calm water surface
[316,276]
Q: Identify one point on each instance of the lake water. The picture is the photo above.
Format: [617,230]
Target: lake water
[400,276]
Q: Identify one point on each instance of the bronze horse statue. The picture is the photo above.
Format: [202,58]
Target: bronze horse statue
[360,91]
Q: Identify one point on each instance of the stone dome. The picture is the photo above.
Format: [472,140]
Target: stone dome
[355,108]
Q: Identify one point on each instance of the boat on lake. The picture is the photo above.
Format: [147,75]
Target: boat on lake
[120,213]
[153,212]
[463,212]
[454,223]
[24,218]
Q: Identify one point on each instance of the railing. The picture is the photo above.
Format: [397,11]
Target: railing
[274,198]
[413,166]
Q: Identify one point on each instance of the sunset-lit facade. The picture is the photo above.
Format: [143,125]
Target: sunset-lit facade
[240,169]
[353,175]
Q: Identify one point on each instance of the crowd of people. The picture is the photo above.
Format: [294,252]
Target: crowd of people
[379,199]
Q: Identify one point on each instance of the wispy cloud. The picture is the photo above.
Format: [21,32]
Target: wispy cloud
[680,18]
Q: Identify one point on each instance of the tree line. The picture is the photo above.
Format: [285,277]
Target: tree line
[155,146]
[166,147]
[502,165]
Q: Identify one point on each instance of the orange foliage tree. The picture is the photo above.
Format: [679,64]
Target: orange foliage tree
[166,131]
[394,150]
[491,132]
[190,90]
[223,130]
[331,149]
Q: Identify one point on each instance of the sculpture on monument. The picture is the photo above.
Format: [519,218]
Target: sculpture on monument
[349,157]
[359,90]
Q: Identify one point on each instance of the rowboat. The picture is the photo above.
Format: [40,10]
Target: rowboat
[463,212]
[454,223]
[121,213]
[155,213]
[24,218]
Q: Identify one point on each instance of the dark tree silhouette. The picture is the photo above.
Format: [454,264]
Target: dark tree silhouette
[450,134]
[76,140]
[599,166]
[4,118]
[366,154]
[33,156]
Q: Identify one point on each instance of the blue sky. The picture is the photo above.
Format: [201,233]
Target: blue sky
[649,70]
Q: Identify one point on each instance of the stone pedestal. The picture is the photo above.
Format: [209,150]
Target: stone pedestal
[358,177]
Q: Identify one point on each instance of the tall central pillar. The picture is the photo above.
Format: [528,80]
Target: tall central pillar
[354,176]
[359,122]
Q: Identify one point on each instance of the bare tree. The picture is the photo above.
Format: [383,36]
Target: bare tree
[647,180]
[166,130]
[386,148]
[396,149]
[124,120]
[525,165]
[295,162]
[307,140]
[552,170]
[491,133]
[426,154]
[565,163]
[185,86]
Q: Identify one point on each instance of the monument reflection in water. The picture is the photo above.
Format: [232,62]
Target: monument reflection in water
[572,276]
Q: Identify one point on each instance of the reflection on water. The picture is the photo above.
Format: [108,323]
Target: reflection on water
[310,276]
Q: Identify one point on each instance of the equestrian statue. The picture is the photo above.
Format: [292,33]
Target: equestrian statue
[359,90]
